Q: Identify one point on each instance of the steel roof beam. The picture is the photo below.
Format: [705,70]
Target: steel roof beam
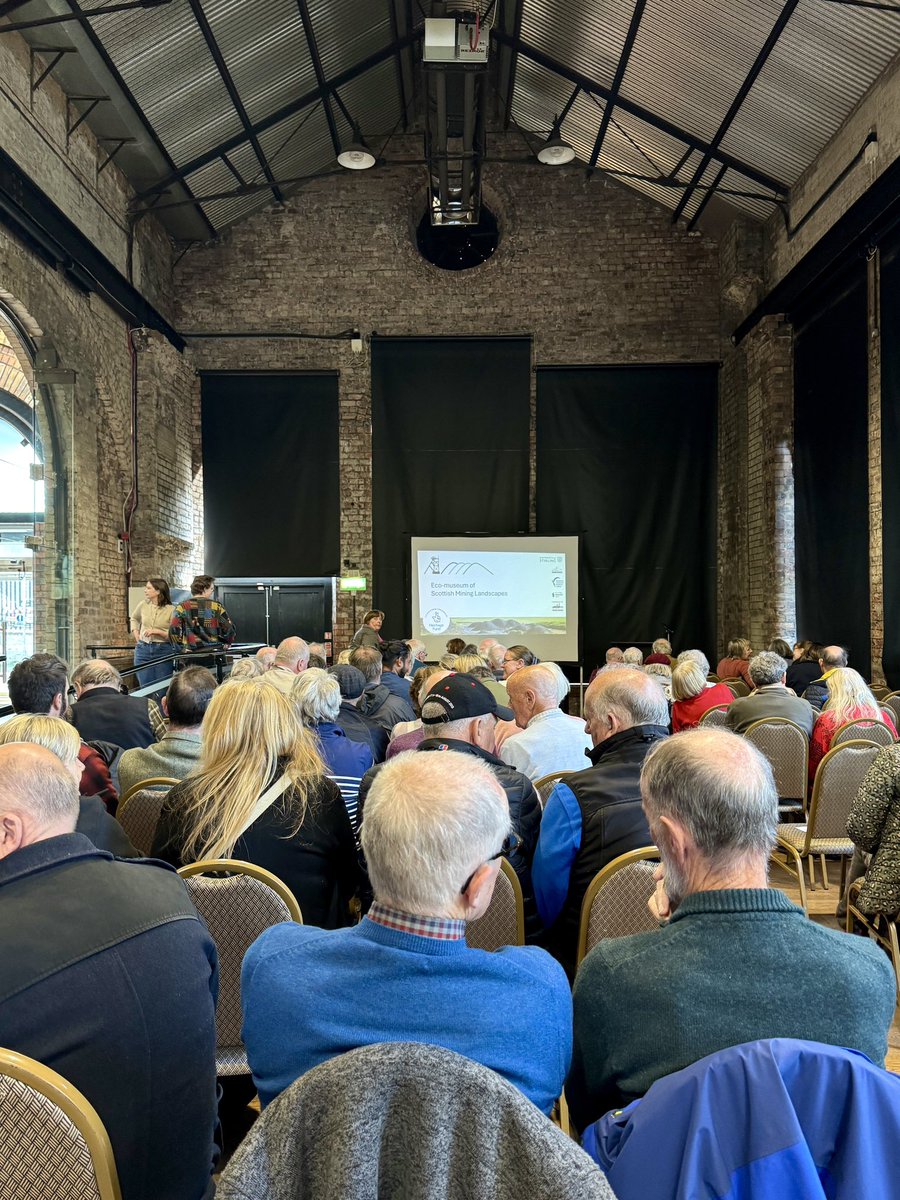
[734,108]
[319,92]
[129,96]
[218,58]
[320,74]
[587,84]
[621,67]
[509,74]
[706,199]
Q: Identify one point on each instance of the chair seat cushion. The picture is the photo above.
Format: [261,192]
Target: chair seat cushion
[795,835]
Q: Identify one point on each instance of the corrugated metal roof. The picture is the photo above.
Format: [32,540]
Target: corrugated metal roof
[686,66]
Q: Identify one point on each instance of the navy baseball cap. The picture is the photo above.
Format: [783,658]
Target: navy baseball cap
[461,696]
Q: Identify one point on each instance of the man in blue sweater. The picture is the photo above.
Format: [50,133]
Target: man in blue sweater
[734,961]
[434,829]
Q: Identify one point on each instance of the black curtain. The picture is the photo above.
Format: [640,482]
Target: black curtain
[890,451]
[271,478]
[450,427]
[831,478]
[626,456]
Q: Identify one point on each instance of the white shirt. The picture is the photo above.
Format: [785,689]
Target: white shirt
[551,742]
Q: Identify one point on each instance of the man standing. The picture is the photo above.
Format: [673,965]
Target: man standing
[736,960]
[291,658]
[771,698]
[550,740]
[594,816]
[435,826]
[178,751]
[108,976]
[201,623]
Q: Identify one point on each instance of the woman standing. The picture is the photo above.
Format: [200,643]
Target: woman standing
[260,794]
[367,634]
[150,627]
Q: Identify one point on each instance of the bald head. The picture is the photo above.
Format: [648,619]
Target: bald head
[833,656]
[38,796]
[531,691]
[266,655]
[619,699]
[292,654]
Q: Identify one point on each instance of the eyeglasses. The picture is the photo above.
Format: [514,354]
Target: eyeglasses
[510,846]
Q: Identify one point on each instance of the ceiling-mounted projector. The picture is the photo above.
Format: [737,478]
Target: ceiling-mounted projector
[459,39]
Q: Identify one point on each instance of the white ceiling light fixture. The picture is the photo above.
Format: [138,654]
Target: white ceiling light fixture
[555,152]
[356,155]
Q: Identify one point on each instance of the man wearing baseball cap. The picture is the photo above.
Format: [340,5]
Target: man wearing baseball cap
[459,714]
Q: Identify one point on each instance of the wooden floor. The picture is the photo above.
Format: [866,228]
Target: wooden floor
[822,905]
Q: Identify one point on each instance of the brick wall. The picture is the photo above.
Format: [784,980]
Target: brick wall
[595,273]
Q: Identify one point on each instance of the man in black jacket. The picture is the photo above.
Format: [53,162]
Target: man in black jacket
[595,815]
[459,713]
[378,702]
[103,713]
[108,976]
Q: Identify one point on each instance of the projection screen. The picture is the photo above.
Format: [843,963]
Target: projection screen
[518,590]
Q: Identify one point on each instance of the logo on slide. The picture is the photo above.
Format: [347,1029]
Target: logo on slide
[454,567]
[436,620]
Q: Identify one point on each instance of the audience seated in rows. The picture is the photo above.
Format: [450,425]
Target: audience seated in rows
[780,647]
[660,652]
[770,699]
[102,712]
[62,739]
[496,653]
[185,704]
[408,734]
[736,663]
[803,666]
[378,702]
[40,684]
[247,668]
[594,816]
[633,657]
[692,698]
[435,826]
[478,668]
[260,794]
[266,656]
[316,696]
[418,652]
[459,713]
[517,657]
[358,728]
[735,961]
[291,658]
[832,658]
[548,740]
[109,978]
[849,699]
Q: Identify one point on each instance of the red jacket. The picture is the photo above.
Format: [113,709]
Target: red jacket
[687,713]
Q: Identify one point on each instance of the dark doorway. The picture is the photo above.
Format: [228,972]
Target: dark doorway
[272,609]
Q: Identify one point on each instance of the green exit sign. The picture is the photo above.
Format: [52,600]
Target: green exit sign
[353,583]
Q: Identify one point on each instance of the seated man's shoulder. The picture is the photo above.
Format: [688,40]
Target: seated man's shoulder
[288,940]
[622,954]
[529,963]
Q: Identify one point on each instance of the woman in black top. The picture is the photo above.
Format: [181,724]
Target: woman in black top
[805,667]
[253,739]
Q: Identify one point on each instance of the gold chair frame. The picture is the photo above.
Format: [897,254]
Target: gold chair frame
[806,852]
[860,721]
[75,1105]
[551,777]
[235,866]
[599,881]
[507,870]
[146,785]
[713,708]
[878,926]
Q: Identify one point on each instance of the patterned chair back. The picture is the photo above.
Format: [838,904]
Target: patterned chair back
[139,809]
[863,730]
[892,702]
[714,717]
[738,686]
[615,904]
[503,924]
[55,1145]
[545,785]
[786,746]
[838,779]
[238,901]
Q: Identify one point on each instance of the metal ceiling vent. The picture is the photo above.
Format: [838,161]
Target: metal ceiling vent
[455,58]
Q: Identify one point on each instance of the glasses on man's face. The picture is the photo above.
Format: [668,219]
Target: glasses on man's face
[510,846]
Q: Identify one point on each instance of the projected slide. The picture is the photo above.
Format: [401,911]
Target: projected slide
[516,590]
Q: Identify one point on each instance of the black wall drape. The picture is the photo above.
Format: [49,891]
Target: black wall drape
[271,480]
[450,424]
[627,456]
[890,451]
[831,479]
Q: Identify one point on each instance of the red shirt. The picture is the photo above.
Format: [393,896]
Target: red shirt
[96,779]
[687,713]
[826,727]
[735,668]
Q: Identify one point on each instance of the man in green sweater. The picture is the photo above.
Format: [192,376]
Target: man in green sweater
[733,960]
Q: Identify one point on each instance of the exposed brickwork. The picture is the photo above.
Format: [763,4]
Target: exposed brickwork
[876,522]
[593,272]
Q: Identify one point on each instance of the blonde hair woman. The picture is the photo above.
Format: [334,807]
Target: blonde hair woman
[692,697]
[63,740]
[259,793]
[849,699]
